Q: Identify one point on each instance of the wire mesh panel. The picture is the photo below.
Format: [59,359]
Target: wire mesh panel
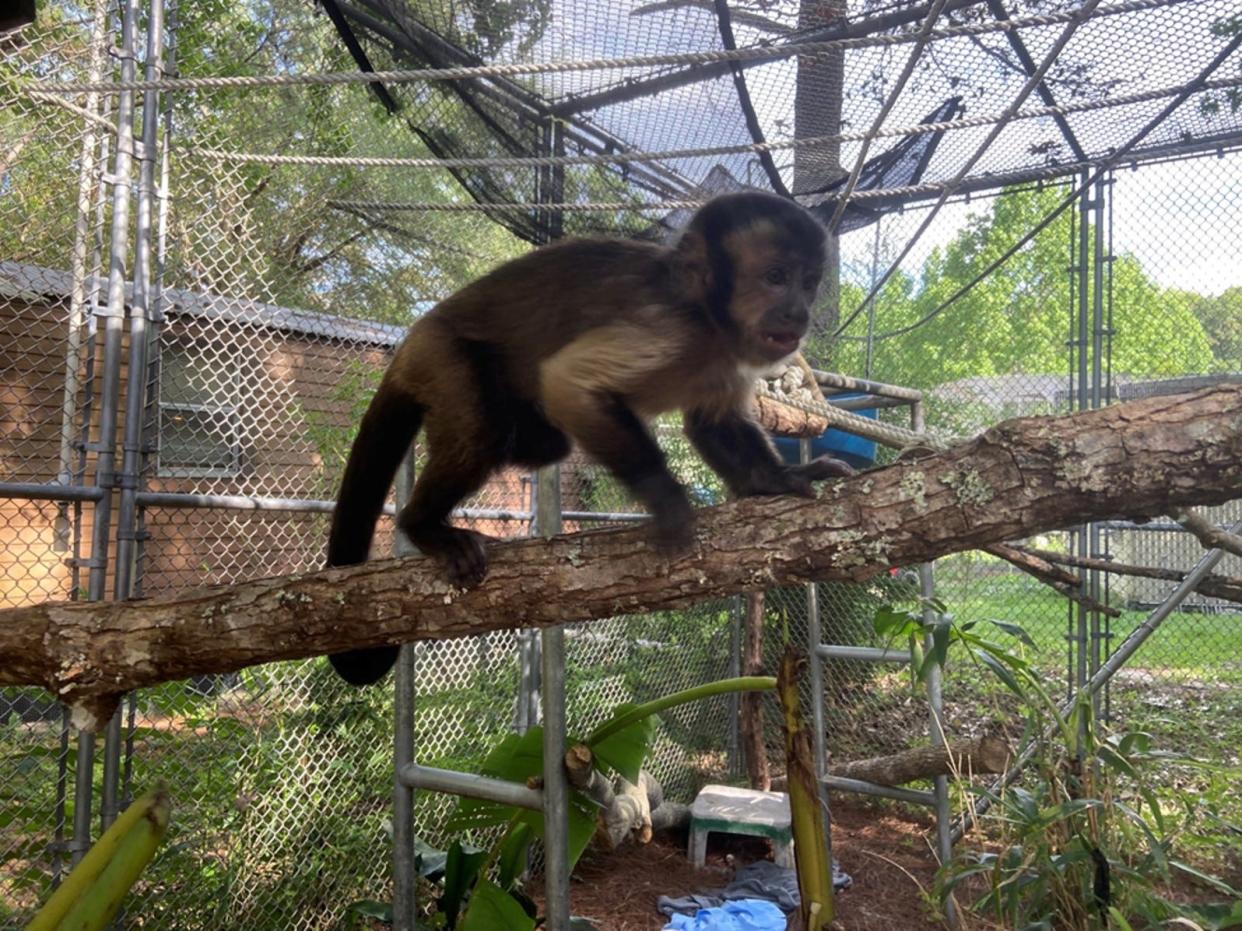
[51,223]
[302,227]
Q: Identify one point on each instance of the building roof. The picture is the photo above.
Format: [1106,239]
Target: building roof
[32,282]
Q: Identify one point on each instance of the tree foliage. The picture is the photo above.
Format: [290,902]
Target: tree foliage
[1018,318]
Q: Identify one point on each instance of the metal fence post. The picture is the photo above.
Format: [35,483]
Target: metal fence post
[135,387]
[105,463]
[405,873]
[555,782]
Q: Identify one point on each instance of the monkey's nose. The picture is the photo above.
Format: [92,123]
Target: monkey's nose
[795,316]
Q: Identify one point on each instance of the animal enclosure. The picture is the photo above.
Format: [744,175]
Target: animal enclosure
[1039,209]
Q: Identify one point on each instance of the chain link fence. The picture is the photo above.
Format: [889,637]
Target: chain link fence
[279,305]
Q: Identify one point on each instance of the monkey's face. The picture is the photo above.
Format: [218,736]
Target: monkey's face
[775,282]
[755,261]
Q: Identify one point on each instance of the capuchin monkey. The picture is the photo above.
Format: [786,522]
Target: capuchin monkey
[583,341]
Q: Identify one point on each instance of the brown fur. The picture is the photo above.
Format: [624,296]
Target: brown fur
[586,340]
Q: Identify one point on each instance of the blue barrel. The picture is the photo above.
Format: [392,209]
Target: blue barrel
[854,450]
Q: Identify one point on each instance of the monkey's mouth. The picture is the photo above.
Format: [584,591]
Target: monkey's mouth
[781,342]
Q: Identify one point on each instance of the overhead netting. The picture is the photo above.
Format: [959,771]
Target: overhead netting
[702,96]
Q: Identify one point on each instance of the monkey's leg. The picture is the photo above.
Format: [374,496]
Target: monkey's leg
[442,483]
[611,433]
[536,443]
[739,452]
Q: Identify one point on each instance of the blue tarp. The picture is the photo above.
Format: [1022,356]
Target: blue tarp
[738,915]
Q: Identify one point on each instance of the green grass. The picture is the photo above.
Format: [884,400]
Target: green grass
[1190,645]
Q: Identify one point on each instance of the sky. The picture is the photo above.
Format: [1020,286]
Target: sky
[1182,220]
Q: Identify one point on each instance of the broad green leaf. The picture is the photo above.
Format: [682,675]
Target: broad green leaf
[1215,882]
[460,869]
[493,909]
[428,861]
[893,624]
[1134,742]
[1156,847]
[1119,919]
[625,750]
[1068,809]
[512,859]
[517,758]
[1016,631]
[582,813]
[999,670]
[1114,760]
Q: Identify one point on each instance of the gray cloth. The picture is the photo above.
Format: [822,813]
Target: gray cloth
[762,879]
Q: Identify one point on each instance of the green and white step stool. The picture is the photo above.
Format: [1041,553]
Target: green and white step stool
[726,810]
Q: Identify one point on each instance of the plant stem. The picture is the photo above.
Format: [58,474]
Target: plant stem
[708,690]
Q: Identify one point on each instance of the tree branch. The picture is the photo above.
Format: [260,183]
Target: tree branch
[1211,536]
[1226,587]
[1019,478]
[1056,578]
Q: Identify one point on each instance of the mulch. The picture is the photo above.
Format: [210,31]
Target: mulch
[885,851]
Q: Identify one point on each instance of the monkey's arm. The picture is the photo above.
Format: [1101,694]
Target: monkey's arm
[584,390]
[739,452]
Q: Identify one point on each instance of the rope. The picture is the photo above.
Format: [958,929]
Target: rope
[1081,15]
[547,161]
[834,224]
[888,434]
[753,54]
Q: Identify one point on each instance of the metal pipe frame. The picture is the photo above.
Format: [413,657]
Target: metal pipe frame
[135,388]
[871,402]
[405,874]
[862,787]
[105,463]
[862,654]
[555,780]
[470,785]
[49,491]
[1136,638]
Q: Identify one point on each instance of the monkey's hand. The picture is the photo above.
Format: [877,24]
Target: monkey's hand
[795,480]
[460,552]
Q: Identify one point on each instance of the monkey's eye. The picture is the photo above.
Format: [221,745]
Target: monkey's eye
[810,283]
[777,277]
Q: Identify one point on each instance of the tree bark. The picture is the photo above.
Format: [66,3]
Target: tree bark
[981,755]
[754,751]
[1022,477]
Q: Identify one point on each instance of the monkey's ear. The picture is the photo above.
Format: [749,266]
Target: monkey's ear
[692,266]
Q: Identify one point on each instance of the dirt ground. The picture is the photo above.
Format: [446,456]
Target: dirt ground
[886,854]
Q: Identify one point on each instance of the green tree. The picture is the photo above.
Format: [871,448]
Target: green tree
[1221,317]
[1017,319]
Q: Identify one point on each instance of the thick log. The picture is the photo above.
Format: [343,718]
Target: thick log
[1022,477]
[960,757]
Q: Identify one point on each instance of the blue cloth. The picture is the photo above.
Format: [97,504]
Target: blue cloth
[737,915]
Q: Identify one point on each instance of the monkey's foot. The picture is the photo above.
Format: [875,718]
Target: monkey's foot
[793,480]
[818,469]
[673,531]
[461,553]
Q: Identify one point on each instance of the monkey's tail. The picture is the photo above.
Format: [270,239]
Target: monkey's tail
[384,436]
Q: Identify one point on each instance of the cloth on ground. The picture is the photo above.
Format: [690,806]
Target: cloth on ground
[738,915]
[762,879]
